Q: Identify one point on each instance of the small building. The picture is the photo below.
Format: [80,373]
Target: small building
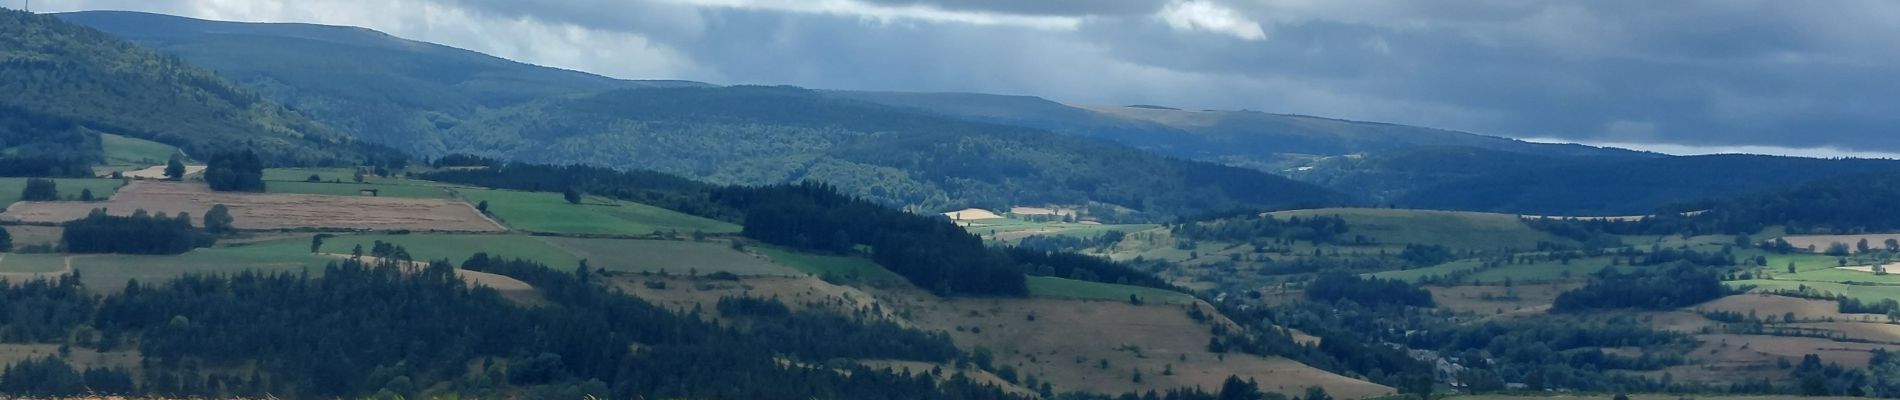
[369,192]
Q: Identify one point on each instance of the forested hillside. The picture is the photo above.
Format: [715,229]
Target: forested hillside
[1266,141]
[381,88]
[767,135]
[1632,187]
[67,83]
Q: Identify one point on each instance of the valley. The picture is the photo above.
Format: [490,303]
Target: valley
[211,209]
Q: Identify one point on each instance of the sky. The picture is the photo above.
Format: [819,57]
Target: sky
[1680,76]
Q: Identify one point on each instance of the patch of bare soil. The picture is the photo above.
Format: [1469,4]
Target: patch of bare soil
[269,211]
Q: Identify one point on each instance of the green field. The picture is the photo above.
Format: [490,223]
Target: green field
[671,256]
[990,228]
[109,272]
[127,151]
[68,188]
[849,268]
[1541,271]
[455,248]
[32,263]
[1413,275]
[354,189]
[336,175]
[548,212]
[1867,293]
[1043,286]
[1453,229]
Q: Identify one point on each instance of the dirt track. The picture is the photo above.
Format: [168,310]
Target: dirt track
[269,211]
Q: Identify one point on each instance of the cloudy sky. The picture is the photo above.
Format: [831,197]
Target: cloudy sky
[1684,76]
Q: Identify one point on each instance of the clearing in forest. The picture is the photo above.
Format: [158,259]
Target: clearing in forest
[269,211]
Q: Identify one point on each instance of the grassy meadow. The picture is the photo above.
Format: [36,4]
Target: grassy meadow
[69,188]
[670,256]
[548,212]
[1043,286]
[845,267]
[129,151]
[455,247]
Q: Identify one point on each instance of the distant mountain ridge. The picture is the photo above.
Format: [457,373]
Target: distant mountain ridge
[432,100]
[381,88]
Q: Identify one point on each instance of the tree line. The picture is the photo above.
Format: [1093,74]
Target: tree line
[366,329]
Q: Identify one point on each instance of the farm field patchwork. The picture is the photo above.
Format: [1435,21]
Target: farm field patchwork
[548,212]
[671,256]
[269,211]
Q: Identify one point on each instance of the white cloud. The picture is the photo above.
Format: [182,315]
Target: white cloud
[550,43]
[1199,15]
[1690,150]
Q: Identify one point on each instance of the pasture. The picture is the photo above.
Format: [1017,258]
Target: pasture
[69,188]
[31,235]
[1060,288]
[1866,293]
[331,175]
[1099,345]
[130,151]
[1011,230]
[670,256]
[269,211]
[848,268]
[109,272]
[455,248]
[1453,229]
[548,212]
[355,189]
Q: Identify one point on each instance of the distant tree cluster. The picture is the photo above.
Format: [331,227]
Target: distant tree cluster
[353,334]
[1333,287]
[1254,226]
[139,233]
[931,252]
[1085,267]
[238,171]
[1681,285]
[41,145]
[38,189]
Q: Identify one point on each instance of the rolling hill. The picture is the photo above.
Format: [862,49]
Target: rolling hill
[1270,142]
[765,135]
[380,88]
[1632,187]
[67,83]
[433,100]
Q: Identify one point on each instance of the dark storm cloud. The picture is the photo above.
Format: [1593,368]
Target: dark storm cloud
[1694,72]
[1039,7]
